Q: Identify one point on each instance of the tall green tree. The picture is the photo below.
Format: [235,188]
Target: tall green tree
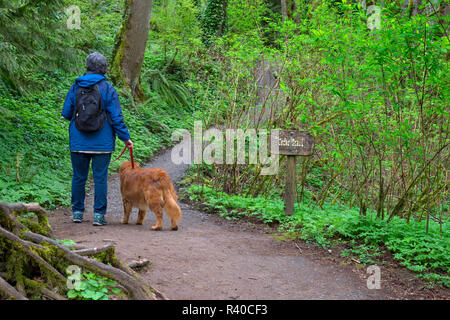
[214,20]
[26,44]
[130,46]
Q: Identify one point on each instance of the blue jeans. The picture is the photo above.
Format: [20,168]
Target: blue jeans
[80,166]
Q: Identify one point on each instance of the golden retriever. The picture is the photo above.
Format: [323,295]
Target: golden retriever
[148,189]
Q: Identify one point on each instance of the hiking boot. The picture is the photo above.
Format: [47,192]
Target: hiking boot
[99,220]
[77,217]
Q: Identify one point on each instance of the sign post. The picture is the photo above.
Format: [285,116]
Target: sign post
[293,143]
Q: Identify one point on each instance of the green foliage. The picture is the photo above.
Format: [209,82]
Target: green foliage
[34,147]
[375,101]
[365,253]
[92,287]
[436,278]
[214,20]
[33,38]
[100,22]
[175,26]
[65,242]
[44,58]
[170,91]
[354,89]
[233,207]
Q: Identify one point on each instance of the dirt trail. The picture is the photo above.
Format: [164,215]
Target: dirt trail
[212,258]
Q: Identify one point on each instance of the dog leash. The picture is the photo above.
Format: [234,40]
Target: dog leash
[131,155]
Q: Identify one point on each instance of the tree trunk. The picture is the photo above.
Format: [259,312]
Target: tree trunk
[214,20]
[284,9]
[224,18]
[130,46]
[296,12]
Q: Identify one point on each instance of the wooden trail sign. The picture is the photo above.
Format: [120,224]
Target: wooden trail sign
[293,143]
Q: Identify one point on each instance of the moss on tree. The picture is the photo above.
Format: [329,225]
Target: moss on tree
[33,266]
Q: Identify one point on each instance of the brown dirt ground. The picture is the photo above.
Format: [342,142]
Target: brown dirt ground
[213,258]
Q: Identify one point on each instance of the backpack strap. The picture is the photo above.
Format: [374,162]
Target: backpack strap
[108,116]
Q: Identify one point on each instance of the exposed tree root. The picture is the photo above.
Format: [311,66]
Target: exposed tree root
[9,291]
[28,247]
[138,264]
[132,284]
[93,251]
[52,295]
[33,265]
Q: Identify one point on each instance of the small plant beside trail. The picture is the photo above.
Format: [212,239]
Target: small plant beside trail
[93,287]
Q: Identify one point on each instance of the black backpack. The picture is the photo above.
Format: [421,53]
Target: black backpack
[89,115]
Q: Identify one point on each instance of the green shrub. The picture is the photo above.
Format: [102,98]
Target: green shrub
[93,287]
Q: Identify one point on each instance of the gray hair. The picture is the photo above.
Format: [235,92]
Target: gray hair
[96,62]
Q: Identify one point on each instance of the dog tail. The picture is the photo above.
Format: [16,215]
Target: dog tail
[173,191]
[171,207]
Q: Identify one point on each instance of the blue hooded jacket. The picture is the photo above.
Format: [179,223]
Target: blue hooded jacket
[104,139]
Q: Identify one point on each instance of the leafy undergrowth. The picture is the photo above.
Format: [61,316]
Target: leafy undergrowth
[89,286]
[428,254]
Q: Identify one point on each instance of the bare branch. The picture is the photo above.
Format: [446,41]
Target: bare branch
[94,251]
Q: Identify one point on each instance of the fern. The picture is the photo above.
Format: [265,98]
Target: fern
[32,39]
[170,91]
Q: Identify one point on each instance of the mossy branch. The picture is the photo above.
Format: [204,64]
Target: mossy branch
[132,284]
[9,291]
[30,254]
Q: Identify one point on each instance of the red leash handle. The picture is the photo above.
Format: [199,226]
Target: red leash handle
[131,154]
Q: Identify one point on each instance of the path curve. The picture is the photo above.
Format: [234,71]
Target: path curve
[213,258]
